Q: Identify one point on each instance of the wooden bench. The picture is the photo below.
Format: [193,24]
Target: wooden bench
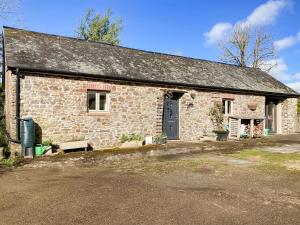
[74,145]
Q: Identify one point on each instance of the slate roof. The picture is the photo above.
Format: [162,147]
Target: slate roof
[44,52]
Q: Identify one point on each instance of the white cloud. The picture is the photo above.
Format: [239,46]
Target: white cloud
[296,76]
[279,69]
[217,32]
[264,14]
[287,42]
[280,72]
[295,86]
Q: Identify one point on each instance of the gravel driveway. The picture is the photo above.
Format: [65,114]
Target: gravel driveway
[192,188]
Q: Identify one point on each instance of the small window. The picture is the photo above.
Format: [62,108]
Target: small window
[227,107]
[98,101]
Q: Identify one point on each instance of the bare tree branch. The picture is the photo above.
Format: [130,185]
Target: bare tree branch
[263,51]
[248,47]
[235,48]
[8,7]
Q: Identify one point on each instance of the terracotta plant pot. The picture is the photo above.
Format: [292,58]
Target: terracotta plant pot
[252,106]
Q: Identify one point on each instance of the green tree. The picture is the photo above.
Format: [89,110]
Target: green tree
[298,106]
[94,27]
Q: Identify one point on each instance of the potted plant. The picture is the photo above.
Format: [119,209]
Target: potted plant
[131,140]
[217,118]
[47,144]
[160,139]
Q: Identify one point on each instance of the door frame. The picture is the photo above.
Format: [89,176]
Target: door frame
[176,95]
[275,115]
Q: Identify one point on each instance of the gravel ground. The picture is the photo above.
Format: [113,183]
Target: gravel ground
[197,187]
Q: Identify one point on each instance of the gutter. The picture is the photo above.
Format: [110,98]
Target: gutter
[171,83]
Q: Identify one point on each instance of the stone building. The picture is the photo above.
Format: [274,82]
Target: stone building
[82,90]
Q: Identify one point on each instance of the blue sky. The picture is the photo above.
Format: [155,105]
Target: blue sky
[189,28]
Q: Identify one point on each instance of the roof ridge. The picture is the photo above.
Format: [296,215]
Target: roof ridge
[129,48]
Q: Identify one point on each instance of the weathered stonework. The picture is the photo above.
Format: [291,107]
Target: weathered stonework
[195,105]
[59,107]
[289,116]
[10,104]
[10,111]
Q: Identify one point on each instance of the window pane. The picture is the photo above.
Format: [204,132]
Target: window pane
[92,100]
[102,101]
[223,102]
[229,107]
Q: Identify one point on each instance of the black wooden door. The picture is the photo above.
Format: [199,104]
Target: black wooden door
[171,117]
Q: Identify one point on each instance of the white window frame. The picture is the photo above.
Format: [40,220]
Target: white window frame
[226,106]
[97,98]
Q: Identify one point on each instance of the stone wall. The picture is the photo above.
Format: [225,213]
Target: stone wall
[241,109]
[10,103]
[194,121]
[195,105]
[59,107]
[10,111]
[298,124]
[289,116]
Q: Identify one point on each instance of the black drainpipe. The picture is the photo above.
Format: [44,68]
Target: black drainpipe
[17,105]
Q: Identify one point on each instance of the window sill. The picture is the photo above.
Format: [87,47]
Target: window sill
[98,113]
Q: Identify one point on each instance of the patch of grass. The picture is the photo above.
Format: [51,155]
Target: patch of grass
[6,162]
[10,162]
[269,160]
[274,167]
[157,167]
[267,156]
[203,161]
